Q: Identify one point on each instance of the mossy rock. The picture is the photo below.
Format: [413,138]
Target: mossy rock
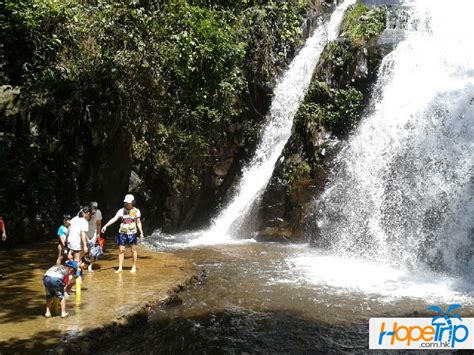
[335,99]
[362,24]
[317,92]
[335,64]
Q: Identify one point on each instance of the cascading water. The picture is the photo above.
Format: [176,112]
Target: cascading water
[400,199]
[287,96]
[398,208]
[402,192]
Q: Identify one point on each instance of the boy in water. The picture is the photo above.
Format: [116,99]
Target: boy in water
[62,238]
[55,281]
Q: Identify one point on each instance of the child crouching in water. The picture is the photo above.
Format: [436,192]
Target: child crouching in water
[55,281]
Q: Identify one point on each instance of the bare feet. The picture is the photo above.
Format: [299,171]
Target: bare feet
[134,270]
[64,315]
[47,314]
[118,270]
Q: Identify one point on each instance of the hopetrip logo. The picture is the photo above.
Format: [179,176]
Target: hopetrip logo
[446,330]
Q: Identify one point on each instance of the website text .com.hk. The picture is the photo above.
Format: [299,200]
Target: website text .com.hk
[444,331]
[435,345]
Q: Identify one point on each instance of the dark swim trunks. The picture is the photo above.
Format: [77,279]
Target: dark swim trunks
[124,239]
[53,287]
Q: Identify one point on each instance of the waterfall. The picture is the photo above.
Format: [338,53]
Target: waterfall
[288,94]
[402,190]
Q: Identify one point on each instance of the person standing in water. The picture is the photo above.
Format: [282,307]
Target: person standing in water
[130,228]
[77,238]
[3,229]
[63,232]
[4,237]
[93,232]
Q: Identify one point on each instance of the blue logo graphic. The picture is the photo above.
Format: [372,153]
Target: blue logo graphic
[457,333]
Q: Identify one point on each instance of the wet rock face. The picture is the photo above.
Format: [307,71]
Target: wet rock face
[196,203]
[54,167]
[339,90]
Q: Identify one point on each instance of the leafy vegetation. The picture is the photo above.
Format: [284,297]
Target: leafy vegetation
[361,24]
[333,100]
[333,104]
[174,74]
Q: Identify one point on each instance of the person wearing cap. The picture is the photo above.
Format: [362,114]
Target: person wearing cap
[55,281]
[129,230]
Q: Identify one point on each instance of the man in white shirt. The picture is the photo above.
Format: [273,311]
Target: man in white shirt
[93,232]
[77,238]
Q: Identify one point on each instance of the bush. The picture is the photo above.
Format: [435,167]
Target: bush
[174,74]
[361,24]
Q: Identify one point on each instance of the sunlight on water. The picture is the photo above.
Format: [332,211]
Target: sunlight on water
[163,241]
[360,276]
[395,221]
[403,190]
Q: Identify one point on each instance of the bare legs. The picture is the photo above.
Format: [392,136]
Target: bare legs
[91,244]
[121,257]
[60,257]
[49,305]
[134,257]
[77,255]
[91,258]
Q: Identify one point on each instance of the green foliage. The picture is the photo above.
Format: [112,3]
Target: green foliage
[309,114]
[332,100]
[271,31]
[32,36]
[336,55]
[361,24]
[317,91]
[337,112]
[204,53]
[175,74]
[333,103]
[342,111]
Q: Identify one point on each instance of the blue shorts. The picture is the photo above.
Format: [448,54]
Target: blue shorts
[53,287]
[124,239]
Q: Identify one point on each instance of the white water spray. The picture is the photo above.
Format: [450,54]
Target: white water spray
[288,95]
[403,193]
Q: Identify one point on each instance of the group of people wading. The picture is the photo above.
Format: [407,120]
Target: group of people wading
[80,243]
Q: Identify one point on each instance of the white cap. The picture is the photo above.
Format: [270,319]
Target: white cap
[129,198]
